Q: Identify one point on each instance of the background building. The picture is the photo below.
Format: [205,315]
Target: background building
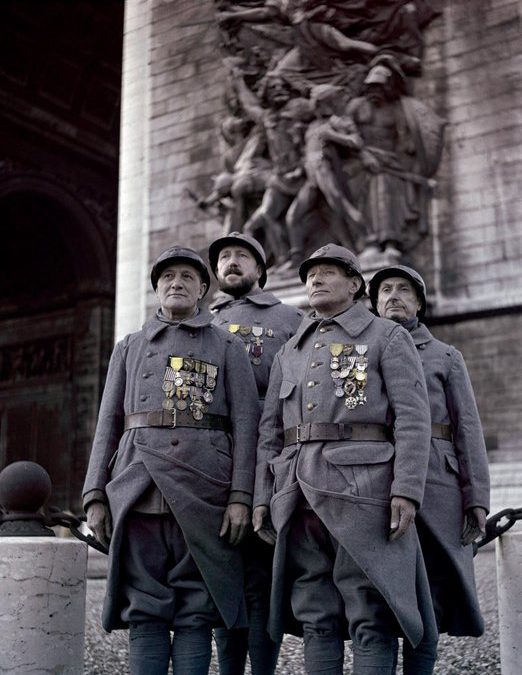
[59,98]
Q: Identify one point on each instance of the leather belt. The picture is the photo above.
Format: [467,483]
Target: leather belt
[329,431]
[442,431]
[175,418]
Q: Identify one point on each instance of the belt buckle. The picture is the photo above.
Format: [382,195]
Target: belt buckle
[301,435]
[174,417]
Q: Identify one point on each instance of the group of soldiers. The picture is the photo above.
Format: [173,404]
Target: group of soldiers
[257,472]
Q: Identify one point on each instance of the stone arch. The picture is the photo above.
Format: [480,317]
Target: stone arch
[56,325]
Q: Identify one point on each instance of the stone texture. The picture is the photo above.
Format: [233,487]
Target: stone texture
[42,605]
[509,564]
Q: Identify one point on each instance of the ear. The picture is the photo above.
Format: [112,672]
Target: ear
[202,290]
[259,271]
[355,284]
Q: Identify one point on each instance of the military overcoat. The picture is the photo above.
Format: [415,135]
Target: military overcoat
[269,322]
[458,476]
[195,469]
[349,483]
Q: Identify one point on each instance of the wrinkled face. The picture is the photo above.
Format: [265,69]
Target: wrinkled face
[237,270]
[179,289]
[330,290]
[397,299]
[277,92]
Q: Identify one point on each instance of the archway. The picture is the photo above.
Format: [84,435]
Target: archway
[56,322]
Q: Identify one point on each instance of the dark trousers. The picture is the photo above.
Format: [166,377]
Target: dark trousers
[233,645]
[330,592]
[162,590]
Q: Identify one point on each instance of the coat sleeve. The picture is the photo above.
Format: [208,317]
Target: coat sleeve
[468,438]
[270,443]
[406,389]
[109,428]
[243,408]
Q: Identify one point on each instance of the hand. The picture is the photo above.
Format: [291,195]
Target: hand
[474,525]
[236,522]
[402,516]
[263,525]
[99,522]
[370,162]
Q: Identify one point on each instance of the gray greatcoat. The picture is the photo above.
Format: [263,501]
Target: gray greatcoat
[349,484]
[458,476]
[198,472]
[259,309]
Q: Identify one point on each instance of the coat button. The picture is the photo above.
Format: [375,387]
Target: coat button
[192,334]
[323,329]
[143,397]
[311,383]
[310,406]
[318,345]
[174,441]
[190,353]
[149,354]
[313,364]
[146,375]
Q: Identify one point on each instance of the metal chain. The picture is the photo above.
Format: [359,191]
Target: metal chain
[494,528]
[56,517]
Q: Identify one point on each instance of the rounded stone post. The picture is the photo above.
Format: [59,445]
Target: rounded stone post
[509,581]
[42,605]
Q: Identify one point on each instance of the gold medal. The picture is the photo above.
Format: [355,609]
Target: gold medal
[336,348]
[176,362]
[233,328]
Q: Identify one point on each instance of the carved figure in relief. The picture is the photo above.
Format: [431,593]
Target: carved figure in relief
[390,175]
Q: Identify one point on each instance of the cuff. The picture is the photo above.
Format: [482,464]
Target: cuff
[93,496]
[240,497]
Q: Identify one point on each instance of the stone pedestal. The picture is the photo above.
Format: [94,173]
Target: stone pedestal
[509,564]
[42,605]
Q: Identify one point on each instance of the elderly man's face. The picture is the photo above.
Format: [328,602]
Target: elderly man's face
[237,270]
[397,299]
[330,290]
[179,289]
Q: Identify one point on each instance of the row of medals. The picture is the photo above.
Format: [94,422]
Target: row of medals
[349,374]
[254,346]
[189,383]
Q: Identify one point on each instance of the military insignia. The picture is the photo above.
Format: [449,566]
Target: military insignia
[188,378]
[257,331]
[349,374]
[233,327]
[245,330]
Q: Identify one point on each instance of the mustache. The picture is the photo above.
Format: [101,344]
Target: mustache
[232,269]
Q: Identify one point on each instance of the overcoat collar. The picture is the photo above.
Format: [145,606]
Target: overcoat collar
[421,335]
[154,326]
[353,321]
[257,297]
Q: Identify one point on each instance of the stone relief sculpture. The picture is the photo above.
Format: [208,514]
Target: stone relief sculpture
[322,124]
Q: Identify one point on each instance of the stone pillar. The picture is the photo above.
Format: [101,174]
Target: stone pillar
[42,605]
[509,564]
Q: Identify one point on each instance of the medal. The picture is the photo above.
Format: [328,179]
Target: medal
[335,375]
[176,362]
[351,402]
[233,328]
[178,381]
[167,404]
[207,397]
[211,382]
[181,404]
[347,349]
[257,331]
[349,388]
[244,330]
[336,348]
[169,374]
[167,386]
[334,363]
[188,364]
[212,370]
[256,361]
[339,392]
[361,349]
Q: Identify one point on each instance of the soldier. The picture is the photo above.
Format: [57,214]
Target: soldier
[264,324]
[172,468]
[342,459]
[456,498]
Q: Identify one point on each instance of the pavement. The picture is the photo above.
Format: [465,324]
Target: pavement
[107,654]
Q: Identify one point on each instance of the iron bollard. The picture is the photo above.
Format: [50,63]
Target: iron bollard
[42,581]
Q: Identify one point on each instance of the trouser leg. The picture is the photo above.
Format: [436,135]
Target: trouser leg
[421,660]
[149,648]
[315,601]
[323,652]
[232,647]
[379,658]
[191,651]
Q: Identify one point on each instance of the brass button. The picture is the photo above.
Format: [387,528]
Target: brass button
[310,406]
[323,329]
[311,383]
[313,364]
[318,345]
[146,375]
